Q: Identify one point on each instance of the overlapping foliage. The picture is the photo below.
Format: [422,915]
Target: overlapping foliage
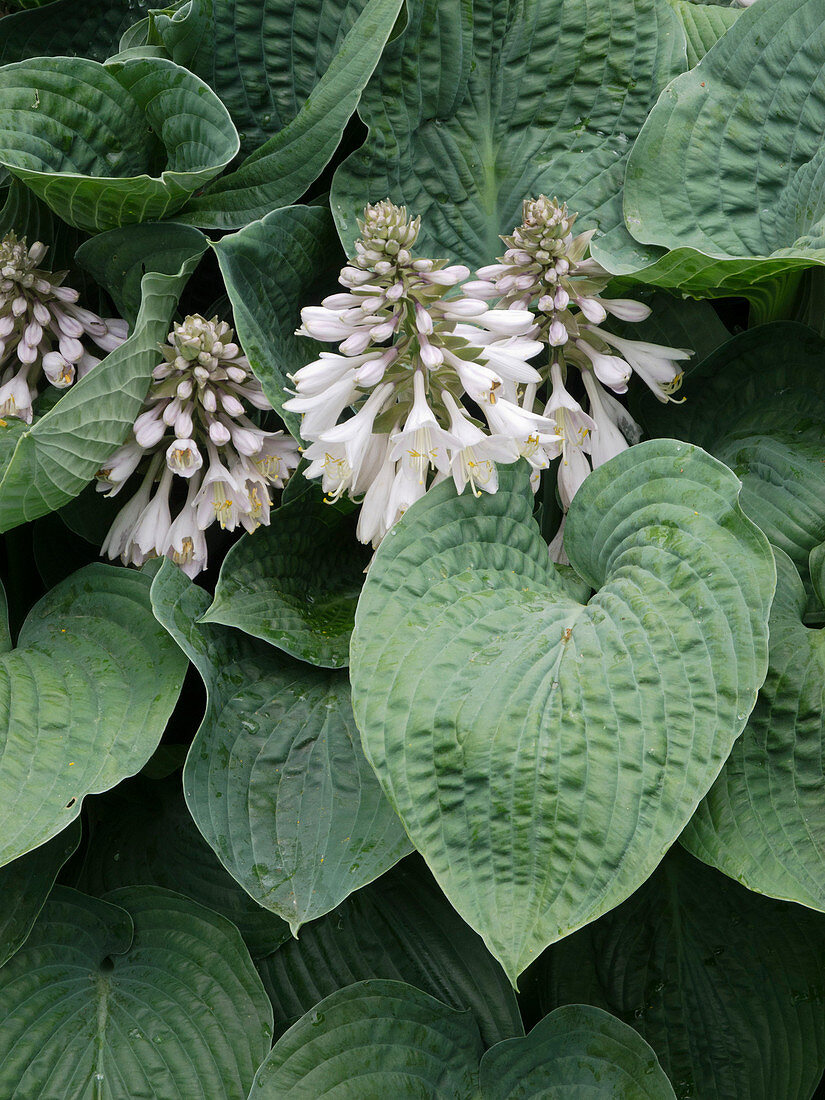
[529,802]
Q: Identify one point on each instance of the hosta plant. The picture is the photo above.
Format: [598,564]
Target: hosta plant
[412,497]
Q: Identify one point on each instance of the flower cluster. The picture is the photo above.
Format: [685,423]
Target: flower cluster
[42,328]
[410,359]
[194,426]
[547,269]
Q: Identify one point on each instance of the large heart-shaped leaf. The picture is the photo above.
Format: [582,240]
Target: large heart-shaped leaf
[142,833]
[477,107]
[280,171]
[725,985]
[296,582]
[142,996]
[92,29]
[107,145]
[272,268]
[399,927]
[757,403]
[84,700]
[57,456]
[544,754]
[372,1038]
[727,173]
[275,778]
[25,884]
[763,820]
[577,1050]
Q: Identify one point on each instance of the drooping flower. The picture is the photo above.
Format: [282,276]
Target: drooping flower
[42,328]
[194,427]
[383,416]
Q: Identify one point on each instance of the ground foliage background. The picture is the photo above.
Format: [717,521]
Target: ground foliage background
[398,855]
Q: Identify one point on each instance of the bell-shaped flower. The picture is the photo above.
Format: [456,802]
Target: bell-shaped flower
[120,533]
[356,433]
[606,439]
[183,457]
[220,496]
[372,520]
[474,460]
[423,442]
[654,363]
[118,468]
[330,462]
[321,411]
[16,397]
[609,369]
[155,520]
[185,542]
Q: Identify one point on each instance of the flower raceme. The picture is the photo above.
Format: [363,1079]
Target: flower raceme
[410,355]
[416,362]
[194,427]
[547,270]
[42,328]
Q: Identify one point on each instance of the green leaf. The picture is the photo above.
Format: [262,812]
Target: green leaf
[141,996]
[25,884]
[757,403]
[374,1038]
[763,820]
[108,145]
[84,700]
[544,754]
[263,58]
[704,25]
[142,833]
[272,268]
[92,29]
[477,107]
[577,1050]
[119,259]
[57,456]
[725,985]
[714,176]
[278,172]
[295,583]
[275,778]
[400,927]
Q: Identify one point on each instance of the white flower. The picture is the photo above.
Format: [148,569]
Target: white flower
[474,460]
[185,542]
[606,440]
[16,398]
[574,467]
[220,496]
[120,533]
[423,442]
[155,520]
[356,433]
[118,468]
[405,490]
[321,411]
[41,327]
[183,457]
[609,369]
[654,363]
[330,462]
